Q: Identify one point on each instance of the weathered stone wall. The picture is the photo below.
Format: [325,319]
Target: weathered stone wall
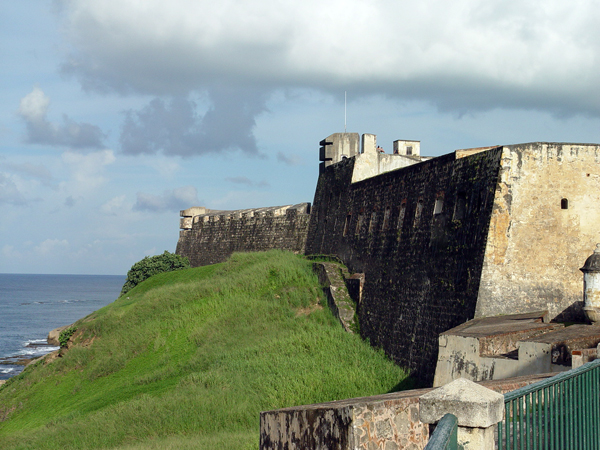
[419,235]
[213,237]
[545,223]
[380,422]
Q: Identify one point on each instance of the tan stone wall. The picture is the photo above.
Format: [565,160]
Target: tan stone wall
[381,422]
[534,248]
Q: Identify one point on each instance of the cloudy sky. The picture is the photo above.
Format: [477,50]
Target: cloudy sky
[114,115]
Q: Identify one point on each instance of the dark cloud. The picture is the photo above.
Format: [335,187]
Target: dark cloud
[172,200]
[70,201]
[40,130]
[175,127]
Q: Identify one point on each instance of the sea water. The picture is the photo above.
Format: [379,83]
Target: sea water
[33,305]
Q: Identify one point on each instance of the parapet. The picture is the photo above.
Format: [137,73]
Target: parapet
[199,213]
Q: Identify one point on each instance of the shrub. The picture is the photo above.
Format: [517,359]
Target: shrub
[65,335]
[151,265]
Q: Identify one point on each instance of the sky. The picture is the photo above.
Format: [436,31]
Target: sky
[115,115]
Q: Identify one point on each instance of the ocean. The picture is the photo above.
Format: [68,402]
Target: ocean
[33,305]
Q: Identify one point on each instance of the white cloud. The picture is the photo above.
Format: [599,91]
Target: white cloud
[34,105]
[171,200]
[247,181]
[115,206]
[52,246]
[464,53]
[86,169]
[36,171]
[290,160]
[9,191]
[33,109]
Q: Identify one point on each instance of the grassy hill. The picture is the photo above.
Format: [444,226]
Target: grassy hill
[188,359]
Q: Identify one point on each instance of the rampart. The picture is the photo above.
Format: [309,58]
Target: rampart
[473,233]
[211,236]
[418,234]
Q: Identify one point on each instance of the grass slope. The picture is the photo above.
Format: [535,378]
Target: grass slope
[188,359]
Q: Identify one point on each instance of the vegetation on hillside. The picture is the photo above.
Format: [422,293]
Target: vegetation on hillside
[153,265]
[188,360]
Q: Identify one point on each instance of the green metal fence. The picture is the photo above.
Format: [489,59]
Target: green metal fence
[444,435]
[562,412]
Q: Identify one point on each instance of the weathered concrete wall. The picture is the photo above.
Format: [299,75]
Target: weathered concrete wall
[418,234]
[215,235]
[494,348]
[535,248]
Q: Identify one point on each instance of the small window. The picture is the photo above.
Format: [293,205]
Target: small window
[401,214]
[409,150]
[460,208]
[418,212]
[359,223]
[564,203]
[386,219]
[347,224]
[439,206]
[372,221]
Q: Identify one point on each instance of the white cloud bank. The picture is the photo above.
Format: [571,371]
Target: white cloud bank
[460,54]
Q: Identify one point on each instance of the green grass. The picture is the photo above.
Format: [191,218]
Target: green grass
[188,359]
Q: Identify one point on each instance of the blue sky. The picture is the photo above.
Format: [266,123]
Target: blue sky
[114,115]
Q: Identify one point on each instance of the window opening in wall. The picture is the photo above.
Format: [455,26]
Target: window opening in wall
[439,206]
[386,219]
[359,223]
[460,208]
[418,211]
[409,150]
[564,203]
[347,224]
[372,221]
[401,214]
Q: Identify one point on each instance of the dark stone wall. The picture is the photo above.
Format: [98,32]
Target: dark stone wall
[419,235]
[215,240]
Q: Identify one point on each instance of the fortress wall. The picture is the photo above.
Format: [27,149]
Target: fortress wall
[535,247]
[213,238]
[419,235]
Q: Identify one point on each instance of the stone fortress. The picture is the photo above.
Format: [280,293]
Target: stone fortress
[466,265]
[441,241]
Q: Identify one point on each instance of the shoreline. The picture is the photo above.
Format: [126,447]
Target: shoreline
[20,361]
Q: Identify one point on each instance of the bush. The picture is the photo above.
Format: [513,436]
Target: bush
[65,335]
[151,265]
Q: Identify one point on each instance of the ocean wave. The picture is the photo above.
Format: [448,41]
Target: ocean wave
[37,351]
[4,369]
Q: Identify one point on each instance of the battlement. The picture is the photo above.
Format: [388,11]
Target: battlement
[197,214]
[210,236]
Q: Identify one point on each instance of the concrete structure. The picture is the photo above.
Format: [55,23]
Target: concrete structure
[591,286]
[381,422]
[336,147]
[477,409]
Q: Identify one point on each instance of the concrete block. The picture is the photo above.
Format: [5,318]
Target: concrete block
[472,404]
